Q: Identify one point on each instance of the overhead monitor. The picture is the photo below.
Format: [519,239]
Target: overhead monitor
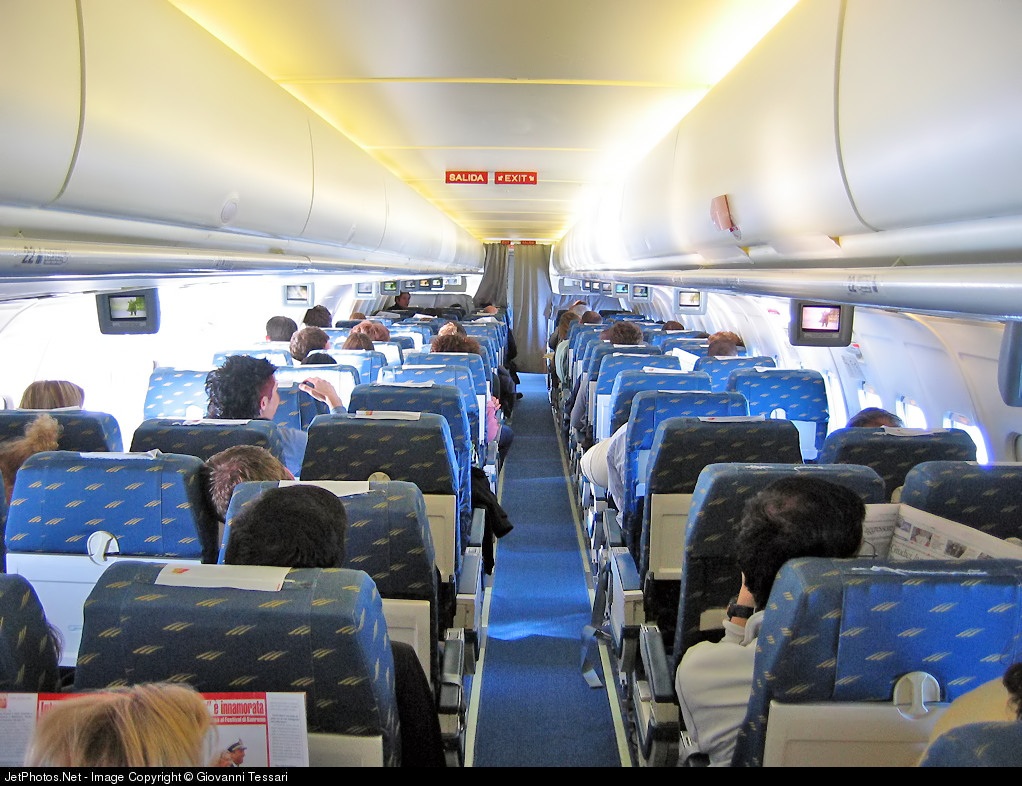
[587,286]
[640,292]
[621,290]
[364,289]
[690,301]
[606,286]
[436,283]
[126,313]
[453,281]
[388,287]
[815,324]
[408,286]
[297,295]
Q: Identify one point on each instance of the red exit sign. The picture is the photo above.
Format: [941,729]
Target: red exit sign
[516,178]
[463,176]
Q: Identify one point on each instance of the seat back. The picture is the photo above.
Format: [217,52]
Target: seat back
[317,630]
[417,450]
[980,744]
[628,383]
[73,513]
[987,497]
[800,392]
[388,537]
[176,393]
[650,408]
[203,438]
[892,452]
[444,400]
[80,429]
[28,663]
[611,368]
[479,368]
[720,368]
[839,639]
[392,352]
[457,376]
[367,362]
[343,378]
[277,352]
[707,573]
[657,335]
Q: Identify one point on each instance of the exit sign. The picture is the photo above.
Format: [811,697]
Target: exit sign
[516,178]
[464,176]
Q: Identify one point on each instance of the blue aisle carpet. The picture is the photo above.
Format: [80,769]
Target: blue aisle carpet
[535,708]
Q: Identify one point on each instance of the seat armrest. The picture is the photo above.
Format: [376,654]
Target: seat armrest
[655,664]
[469,608]
[451,707]
[657,726]
[475,536]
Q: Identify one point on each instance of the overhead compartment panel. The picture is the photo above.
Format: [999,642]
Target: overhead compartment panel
[40,97]
[929,110]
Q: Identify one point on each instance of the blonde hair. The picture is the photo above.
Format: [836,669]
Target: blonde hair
[52,394]
[151,725]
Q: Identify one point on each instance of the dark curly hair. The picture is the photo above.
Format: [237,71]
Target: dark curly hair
[307,340]
[235,388]
[455,342]
[623,332]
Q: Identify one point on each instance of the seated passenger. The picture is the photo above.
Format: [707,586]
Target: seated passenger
[377,331]
[874,417]
[792,517]
[149,725]
[245,388]
[622,332]
[41,434]
[306,527]
[52,394]
[280,328]
[306,340]
[317,316]
[359,341]
[231,466]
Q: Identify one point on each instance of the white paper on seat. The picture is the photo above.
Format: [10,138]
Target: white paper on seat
[388,414]
[246,577]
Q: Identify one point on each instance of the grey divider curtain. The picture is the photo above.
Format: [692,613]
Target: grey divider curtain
[493,287]
[530,301]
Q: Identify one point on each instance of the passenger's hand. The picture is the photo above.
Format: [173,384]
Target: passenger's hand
[321,390]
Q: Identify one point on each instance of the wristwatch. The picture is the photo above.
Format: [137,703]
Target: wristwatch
[735,609]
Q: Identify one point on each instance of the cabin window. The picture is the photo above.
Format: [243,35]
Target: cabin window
[835,401]
[868,397]
[954,420]
[910,412]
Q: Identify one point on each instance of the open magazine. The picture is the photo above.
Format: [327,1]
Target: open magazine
[253,729]
[900,532]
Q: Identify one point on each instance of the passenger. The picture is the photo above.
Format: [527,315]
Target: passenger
[357,315]
[726,335]
[402,300]
[245,388]
[495,430]
[792,517]
[148,725]
[280,328]
[996,701]
[52,394]
[306,340]
[377,331]
[622,332]
[557,378]
[224,470]
[874,417]
[41,434]
[317,316]
[306,527]
[722,348]
[319,358]
[358,340]
[672,324]
[451,327]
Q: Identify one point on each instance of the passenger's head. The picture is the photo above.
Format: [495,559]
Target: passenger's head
[722,347]
[579,307]
[307,340]
[148,725]
[673,324]
[726,335]
[357,315]
[52,394]
[319,358]
[358,340]
[793,517]
[280,328]
[565,322]
[1013,683]
[455,342]
[402,299]
[243,388]
[591,318]
[874,417]
[234,465]
[41,434]
[318,316]
[376,331]
[300,526]
[451,327]
[622,332]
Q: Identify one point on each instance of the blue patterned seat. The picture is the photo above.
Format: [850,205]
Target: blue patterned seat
[28,663]
[981,744]
[800,392]
[368,362]
[203,438]
[343,378]
[322,633]
[612,367]
[657,335]
[176,393]
[80,429]
[650,408]
[893,452]
[987,497]
[388,537]
[691,344]
[277,352]
[453,375]
[419,451]
[840,635]
[628,383]
[443,400]
[72,513]
[720,368]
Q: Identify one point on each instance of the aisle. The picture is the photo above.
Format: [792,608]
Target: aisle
[534,707]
